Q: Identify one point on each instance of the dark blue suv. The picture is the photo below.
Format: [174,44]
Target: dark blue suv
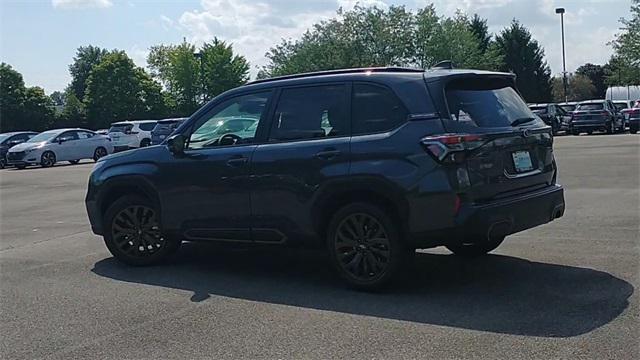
[369,164]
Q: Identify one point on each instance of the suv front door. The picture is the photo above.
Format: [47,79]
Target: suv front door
[206,191]
[307,147]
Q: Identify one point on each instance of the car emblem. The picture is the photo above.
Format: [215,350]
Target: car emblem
[526,133]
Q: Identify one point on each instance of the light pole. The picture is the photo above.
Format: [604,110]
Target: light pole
[564,63]
[198,56]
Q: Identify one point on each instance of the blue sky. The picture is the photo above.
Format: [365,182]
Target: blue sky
[39,38]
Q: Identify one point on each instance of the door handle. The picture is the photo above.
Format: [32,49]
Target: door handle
[237,161]
[328,154]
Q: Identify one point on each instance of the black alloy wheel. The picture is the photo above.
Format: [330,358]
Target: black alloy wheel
[133,232]
[47,159]
[98,153]
[364,246]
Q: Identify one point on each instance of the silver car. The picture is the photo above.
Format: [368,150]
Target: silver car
[51,146]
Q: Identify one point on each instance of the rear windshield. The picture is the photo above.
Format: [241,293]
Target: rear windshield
[590,106]
[539,109]
[476,105]
[166,125]
[568,108]
[620,106]
[120,128]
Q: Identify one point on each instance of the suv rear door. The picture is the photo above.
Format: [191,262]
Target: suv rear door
[307,147]
[506,149]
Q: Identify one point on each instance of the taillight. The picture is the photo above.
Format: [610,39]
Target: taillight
[451,147]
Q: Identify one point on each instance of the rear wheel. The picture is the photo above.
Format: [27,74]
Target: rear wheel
[98,153]
[477,248]
[48,159]
[633,129]
[610,128]
[133,233]
[365,246]
[73,162]
[21,166]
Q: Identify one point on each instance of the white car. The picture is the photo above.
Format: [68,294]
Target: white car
[131,134]
[51,146]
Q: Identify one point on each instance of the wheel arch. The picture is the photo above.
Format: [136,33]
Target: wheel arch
[374,192]
[116,188]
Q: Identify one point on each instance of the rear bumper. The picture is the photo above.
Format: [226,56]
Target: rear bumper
[588,126]
[499,218]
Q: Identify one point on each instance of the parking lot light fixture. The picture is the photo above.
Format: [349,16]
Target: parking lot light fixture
[564,63]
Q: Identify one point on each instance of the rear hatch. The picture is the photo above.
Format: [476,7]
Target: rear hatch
[590,113]
[497,147]
[121,134]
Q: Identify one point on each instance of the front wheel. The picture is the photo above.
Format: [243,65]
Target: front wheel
[48,159]
[74,162]
[133,233]
[365,246]
[476,248]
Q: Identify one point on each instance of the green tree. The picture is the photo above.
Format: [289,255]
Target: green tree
[624,66]
[579,88]
[86,58]
[57,98]
[523,56]
[595,73]
[221,68]
[119,90]
[479,28]
[37,112]
[11,99]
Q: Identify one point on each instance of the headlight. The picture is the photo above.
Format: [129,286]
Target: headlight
[30,150]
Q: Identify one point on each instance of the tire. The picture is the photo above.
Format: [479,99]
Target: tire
[145,142]
[74,162]
[633,129]
[365,246]
[590,132]
[2,164]
[135,219]
[47,159]
[610,128]
[21,166]
[475,249]
[575,132]
[99,152]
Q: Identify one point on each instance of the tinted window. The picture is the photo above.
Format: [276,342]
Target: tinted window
[375,109]
[620,106]
[68,135]
[229,122]
[488,107]
[568,108]
[310,112]
[147,126]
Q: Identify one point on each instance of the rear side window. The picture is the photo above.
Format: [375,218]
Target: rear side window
[375,109]
[310,112]
[487,104]
[147,126]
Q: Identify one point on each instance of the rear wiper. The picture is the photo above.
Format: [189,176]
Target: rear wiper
[522,121]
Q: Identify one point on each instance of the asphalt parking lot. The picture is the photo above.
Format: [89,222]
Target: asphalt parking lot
[563,290]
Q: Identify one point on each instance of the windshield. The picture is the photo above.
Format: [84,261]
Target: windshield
[590,106]
[568,108]
[488,108]
[45,136]
[120,128]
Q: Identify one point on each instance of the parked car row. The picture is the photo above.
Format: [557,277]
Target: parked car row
[589,116]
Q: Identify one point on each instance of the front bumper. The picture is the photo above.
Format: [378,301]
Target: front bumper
[31,158]
[499,218]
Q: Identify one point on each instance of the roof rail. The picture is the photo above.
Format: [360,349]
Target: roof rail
[337,72]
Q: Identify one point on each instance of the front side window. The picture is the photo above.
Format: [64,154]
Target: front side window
[375,109]
[84,135]
[68,136]
[310,113]
[230,122]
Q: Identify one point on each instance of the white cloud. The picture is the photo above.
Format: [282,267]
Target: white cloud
[81,4]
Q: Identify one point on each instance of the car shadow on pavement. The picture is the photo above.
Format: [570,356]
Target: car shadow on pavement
[496,293]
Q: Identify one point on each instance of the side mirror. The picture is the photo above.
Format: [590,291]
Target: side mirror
[176,143]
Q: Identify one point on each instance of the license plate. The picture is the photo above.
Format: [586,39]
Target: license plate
[522,161]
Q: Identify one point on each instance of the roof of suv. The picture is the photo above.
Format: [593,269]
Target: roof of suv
[380,73]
